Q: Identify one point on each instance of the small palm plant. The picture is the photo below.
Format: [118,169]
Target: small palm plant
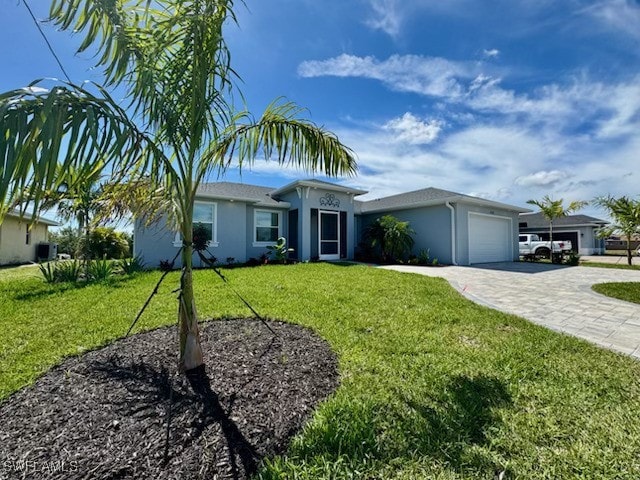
[395,238]
[625,212]
[554,209]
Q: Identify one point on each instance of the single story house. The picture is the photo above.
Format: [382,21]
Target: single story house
[19,241]
[580,230]
[326,221]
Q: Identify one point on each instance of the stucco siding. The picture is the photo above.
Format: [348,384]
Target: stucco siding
[462,229]
[431,224]
[13,246]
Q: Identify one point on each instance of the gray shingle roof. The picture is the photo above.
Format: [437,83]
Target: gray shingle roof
[535,220]
[423,197]
[238,191]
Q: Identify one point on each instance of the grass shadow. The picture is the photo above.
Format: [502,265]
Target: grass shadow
[36,288]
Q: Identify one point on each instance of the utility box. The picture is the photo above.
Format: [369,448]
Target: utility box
[46,251]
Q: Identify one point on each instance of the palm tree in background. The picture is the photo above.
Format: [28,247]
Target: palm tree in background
[625,212]
[180,125]
[554,209]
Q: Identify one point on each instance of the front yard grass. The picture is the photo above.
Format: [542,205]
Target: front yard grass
[432,385]
[619,266]
[628,291]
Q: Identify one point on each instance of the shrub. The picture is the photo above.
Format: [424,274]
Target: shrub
[423,257]
[48,271]
[100,270]
[393,237]
[572,259]
[166,265]
[105,242]
[68,271]
[67,239]
[129,266]
[280,250]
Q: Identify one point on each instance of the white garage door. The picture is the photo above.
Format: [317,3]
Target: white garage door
[489,239]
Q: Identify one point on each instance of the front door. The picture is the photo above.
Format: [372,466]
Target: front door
[329,228]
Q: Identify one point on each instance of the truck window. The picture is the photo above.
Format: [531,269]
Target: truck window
[522,238]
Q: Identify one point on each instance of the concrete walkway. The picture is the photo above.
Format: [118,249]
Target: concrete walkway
[557,297]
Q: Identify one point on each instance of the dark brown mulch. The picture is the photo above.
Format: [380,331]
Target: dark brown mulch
[104,415]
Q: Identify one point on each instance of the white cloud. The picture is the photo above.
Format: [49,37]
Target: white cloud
[433,76]
[410,129]
[621,16]
[491,53]
[574,139]
[541,178]
[386,17]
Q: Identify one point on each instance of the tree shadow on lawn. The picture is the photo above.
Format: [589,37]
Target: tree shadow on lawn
[445,426]
[470,410]
[37,289]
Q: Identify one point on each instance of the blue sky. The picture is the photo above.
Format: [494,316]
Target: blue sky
[505,99]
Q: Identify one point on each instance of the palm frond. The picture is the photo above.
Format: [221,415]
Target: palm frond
[46,131]
[282,136]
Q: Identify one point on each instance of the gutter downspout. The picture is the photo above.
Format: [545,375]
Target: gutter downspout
[453,232]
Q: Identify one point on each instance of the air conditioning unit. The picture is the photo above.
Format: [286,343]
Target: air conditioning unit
[46,251]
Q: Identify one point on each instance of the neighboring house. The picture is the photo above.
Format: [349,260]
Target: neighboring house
[580,230]
[325,221]
[19,240]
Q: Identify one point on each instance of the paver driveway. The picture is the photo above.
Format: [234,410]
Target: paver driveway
[557,297]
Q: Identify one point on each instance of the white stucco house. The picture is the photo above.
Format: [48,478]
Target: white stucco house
[19,240]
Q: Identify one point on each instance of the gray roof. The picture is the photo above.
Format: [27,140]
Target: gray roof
[241,192]
[537,220]
[313,183]
[426,197]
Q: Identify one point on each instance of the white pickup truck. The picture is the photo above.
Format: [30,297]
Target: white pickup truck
[531,245]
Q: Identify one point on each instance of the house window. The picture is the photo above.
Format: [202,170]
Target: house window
[28,237]
[205,217]
[267,227]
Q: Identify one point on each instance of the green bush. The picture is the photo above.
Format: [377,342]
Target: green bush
[393,237]
[60,272]
[572,259]
[67,239]
[48,271]
[100,270]
[129,266]
[68,271]
[105,242]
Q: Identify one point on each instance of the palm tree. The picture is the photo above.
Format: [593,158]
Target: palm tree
[625,212]
[554,209]
[180,126]
[394,237]
[78,200]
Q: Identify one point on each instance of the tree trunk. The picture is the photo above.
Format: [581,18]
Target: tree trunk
[190,349]
[629,254]
[551,241]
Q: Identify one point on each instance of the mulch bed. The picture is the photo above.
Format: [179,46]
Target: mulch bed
[104,415]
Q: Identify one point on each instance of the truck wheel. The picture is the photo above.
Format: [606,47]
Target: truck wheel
[544,252]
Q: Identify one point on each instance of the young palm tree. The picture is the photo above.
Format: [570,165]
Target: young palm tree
[394,237]
[552,210]
[625,212]
[170,59]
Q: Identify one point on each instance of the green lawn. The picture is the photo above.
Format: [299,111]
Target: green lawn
[628,291]
[620,266]
[433,385]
